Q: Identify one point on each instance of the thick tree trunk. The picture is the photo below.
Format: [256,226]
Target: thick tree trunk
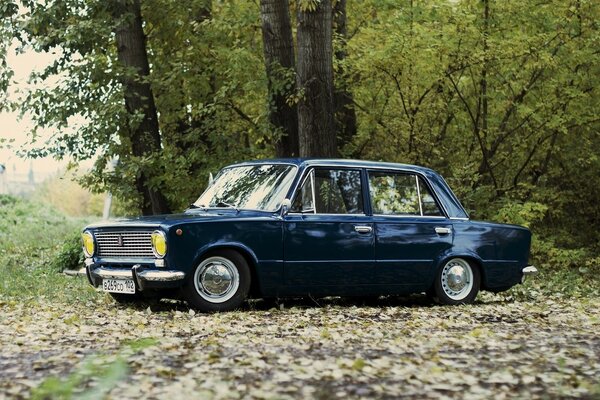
[344,103]
[139,99]
[316,129]
[278,44]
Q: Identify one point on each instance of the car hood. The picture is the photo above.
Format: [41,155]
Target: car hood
[189,216]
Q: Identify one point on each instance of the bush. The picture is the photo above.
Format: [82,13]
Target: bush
[525,214]
[69,254]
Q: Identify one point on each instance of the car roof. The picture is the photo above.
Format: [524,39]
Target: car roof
[450,202]
[339,162]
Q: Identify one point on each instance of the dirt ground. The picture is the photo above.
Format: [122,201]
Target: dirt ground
[391,348]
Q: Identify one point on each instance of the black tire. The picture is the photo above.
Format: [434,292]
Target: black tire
[202,286]
[463,289]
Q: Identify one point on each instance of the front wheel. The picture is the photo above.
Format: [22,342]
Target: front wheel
[220,282]
[457,282]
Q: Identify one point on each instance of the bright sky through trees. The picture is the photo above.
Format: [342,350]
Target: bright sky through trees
[13,127]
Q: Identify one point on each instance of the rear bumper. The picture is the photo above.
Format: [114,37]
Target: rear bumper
[144,277]
[528,271]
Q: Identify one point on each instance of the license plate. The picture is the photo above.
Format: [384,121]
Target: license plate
[118,286]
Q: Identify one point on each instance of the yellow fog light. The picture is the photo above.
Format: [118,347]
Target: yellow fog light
[159,244]
[88,243]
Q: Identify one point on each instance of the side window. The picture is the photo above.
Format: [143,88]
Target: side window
[303,202]
[330,191]
[400,194]
[430,207]
[393,194]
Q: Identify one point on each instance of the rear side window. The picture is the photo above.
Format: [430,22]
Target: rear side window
[401,194]
[330,191]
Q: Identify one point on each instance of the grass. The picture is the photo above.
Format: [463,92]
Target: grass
[32,236]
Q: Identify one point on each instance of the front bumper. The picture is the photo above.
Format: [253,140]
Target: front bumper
[528,271]
[144,277]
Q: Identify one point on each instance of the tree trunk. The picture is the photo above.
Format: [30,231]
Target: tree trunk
[278,44]
[485,165]
[139,99]
[316,129]
[344,103]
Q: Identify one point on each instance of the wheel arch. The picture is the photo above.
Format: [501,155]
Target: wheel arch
[242,250]
[468,256]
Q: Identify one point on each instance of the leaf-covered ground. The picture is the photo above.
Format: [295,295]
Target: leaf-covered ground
[392,348]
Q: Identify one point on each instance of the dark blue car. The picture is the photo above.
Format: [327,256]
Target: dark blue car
[309,227]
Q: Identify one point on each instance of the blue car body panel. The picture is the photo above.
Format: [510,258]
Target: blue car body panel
[302,254]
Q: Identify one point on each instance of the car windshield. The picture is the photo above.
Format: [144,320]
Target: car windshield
[254,187]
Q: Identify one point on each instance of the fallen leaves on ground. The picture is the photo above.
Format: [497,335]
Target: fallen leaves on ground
[548,347]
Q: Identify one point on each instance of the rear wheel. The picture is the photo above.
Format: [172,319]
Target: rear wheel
[220,282]
[457,282]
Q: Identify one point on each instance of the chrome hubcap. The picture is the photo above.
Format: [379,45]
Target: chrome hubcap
[457,279]
[216,279]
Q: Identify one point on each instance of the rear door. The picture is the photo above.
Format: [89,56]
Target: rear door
[411,230]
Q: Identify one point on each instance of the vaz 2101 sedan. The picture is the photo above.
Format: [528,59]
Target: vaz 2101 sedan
[309,227]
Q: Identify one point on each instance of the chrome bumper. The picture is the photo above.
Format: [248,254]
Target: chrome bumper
[144,278]
[527,271]
[147,275]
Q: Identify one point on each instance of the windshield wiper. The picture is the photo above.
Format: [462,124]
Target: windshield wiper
[194,206]
[221,203]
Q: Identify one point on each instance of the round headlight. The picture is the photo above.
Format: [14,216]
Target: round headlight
[159,244]
[88,243]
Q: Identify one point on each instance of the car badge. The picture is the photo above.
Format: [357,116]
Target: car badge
[120,240]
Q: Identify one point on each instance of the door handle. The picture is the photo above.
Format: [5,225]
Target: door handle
[442,231]
[363,229]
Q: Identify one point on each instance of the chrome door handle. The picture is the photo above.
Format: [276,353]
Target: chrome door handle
[442,231]
[363,229]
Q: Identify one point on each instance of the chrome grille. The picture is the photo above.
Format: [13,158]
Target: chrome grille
[132,244]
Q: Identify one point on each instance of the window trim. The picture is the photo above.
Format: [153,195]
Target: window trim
[250,164]
[417,176]
[311,174]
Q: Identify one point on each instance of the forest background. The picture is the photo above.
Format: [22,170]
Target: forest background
[501,97]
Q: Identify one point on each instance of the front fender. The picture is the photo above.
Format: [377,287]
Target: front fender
[207,248]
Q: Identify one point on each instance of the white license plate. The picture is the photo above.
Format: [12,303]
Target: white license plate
[118,286]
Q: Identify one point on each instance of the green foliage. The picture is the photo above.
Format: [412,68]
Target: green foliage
[308,5]
[500,96]
[549,256]
[8,9]
[106,371]
[31,252]
[212,107]
[503,106]
[69,254]
[524,214]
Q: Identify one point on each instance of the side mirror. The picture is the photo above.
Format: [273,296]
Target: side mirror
[285,206]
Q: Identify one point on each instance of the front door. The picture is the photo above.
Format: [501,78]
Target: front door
[328,239]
